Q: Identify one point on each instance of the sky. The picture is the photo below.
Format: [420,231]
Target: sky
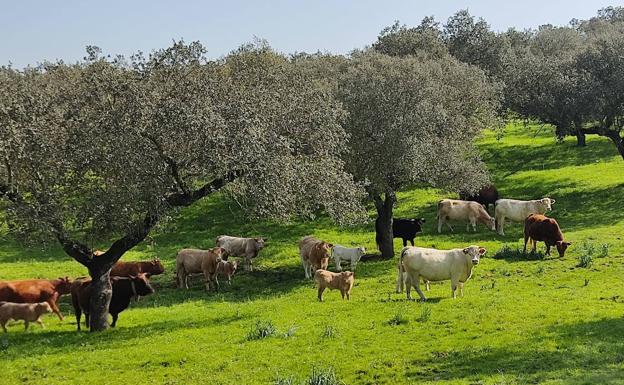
[35,30]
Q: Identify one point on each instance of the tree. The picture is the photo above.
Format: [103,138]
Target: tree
[106,149]
[412,121]
[399,40]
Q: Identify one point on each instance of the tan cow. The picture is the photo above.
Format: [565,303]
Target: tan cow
[334,281]
[242,247]
[190,261]
[29,312]
[463,211]
[314,255]
[227,269]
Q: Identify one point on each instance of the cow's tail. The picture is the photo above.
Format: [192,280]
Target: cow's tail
[400,277]
[177,272]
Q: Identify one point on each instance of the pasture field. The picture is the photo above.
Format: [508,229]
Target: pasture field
[522,320]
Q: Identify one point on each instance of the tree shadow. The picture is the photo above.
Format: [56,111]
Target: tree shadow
[596,347]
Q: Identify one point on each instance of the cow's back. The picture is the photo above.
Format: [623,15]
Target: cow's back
[431,264]
[541,228]
[457,209]
[307,245]
[35,290]
[233,245]
[190,260]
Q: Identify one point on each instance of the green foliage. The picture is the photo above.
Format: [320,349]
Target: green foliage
[425,314]
[323,376]
[399,318]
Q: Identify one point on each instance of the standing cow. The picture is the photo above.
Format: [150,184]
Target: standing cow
[436,265]
[463,211]
[517,210]
[242,247]
[351,254]
[36,290]
[314,255]
[488,195]
[537,227]
[404,228]
[134,268]
[191,261]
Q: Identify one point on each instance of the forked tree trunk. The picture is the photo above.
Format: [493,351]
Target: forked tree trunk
[101,294]
[617,140]
[580,138]
[383,225]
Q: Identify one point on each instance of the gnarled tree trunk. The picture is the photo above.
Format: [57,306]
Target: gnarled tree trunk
[101,294]
[383,224]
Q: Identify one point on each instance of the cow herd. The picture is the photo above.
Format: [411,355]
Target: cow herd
[27,300]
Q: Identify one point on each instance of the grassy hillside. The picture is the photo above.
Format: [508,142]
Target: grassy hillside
[521,321]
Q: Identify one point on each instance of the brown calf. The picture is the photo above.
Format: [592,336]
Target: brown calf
[334,281]
[538,227]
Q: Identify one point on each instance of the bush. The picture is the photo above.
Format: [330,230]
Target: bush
[262,329]
[585,260]
[425,314]
[515,252]
[588,252]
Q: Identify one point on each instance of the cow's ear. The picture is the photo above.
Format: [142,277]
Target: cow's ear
[423,220]
[568,243]
[552,201]
[482,250]
[465,250]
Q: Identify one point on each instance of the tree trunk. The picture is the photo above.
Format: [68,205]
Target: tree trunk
[617,140]
[580,138]
[383,224]
[101,294]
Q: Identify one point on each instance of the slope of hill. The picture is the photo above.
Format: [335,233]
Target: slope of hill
[522,320]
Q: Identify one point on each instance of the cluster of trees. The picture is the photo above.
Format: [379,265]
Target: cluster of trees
[108,148]
[567,76]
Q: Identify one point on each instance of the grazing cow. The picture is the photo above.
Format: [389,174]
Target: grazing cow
[227,269]
[314,254]
[334,281]
[134,268]
[242,247]
[538,227]
[406,229]
[189,261]
[436,265]
[124,289]
[464,211]
[488,195]
[517,210]
[36,290]
[29,312]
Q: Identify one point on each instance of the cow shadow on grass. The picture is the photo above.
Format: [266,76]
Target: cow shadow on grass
[595,347]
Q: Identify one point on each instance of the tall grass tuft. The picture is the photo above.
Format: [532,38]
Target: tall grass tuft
[321,376]
[425,314]
[508,251]
[399,318]
[261,329]
[290,380]
[330,332]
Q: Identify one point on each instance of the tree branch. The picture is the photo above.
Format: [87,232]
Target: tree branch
[173,166]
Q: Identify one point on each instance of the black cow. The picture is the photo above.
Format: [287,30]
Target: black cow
[488,195]
[124,289]
[404,228]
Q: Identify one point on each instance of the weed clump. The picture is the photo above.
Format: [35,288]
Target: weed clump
[261,329]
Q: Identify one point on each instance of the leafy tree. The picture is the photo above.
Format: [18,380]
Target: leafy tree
[106,149]
[412,121]
[399,40]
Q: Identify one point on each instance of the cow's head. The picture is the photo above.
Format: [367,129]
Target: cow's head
[260,243]
[63,285]
[561,247]
[491,223]
[220,253]
[474,253]
[154,267]
[141,285]
[233,266]
[42,308]
[547,202]
[361,251]
[347,276]
[326,247]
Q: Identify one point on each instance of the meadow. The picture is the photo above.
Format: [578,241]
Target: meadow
[523,319]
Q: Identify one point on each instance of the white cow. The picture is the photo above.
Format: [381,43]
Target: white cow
[463,211]
[517,210]
[353,255]
[242,247]
[437,265]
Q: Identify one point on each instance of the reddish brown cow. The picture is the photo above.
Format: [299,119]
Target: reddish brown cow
[488,195]
[538,227]
[36,290]
[134,268]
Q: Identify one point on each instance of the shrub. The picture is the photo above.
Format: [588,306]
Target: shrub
[262,329]
[399,318]
[585,260]
[515,252]
[321,376]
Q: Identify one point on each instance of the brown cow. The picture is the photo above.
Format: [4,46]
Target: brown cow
[488,195]
[335,281]
[134,268]
[36,290]
[538,227]
[314,254]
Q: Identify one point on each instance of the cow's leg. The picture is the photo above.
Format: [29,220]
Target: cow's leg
[216,281]
[115,316]
[547,249]
[407,279]
[349,295]
[461,289]
[500,225]
[454,283]
[416,282]
[412,242]
[3,323]
[449,226]
[440,222]
[534,246]
[87,319]
[78,312]
[321,289]
[305,268]
[342,293]
[26,324]
[526,239]
[55,309]
[338,266]
[353,264]
[405,242]
[38,320]
[426,281]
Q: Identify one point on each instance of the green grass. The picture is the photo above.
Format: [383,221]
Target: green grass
[522,320]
